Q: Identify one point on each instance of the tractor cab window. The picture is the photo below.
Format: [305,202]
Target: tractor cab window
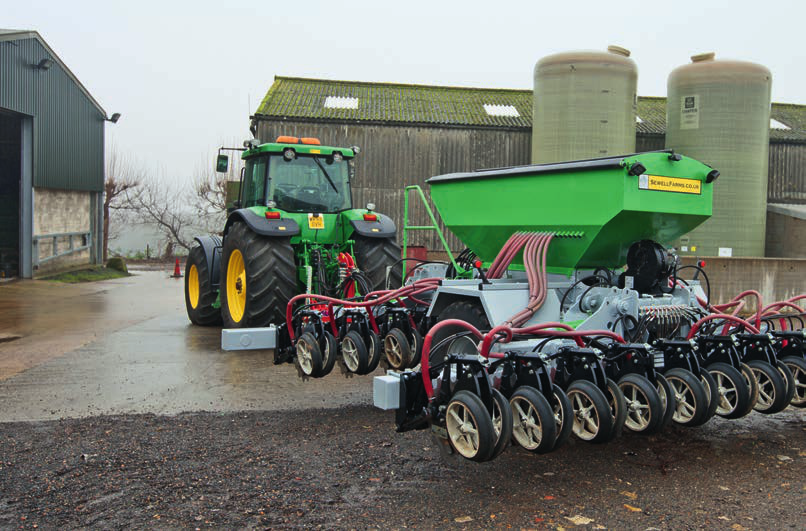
[309,184]
[254,182]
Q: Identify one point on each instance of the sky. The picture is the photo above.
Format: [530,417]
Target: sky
[186,76]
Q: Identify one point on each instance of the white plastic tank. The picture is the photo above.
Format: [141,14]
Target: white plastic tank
[718,112]
[584,105]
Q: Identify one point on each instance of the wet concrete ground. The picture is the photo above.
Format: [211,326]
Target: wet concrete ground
[126,346]
[118,361]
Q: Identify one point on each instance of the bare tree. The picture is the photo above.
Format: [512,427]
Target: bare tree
[123,176]
[154,203]
[178,213]
[210,193]
[210,199]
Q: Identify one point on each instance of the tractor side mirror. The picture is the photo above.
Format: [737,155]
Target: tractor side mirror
[222,163]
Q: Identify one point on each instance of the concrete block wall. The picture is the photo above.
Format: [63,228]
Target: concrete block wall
[61,211]
[775,278]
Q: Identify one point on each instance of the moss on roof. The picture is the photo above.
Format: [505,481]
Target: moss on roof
[304,98]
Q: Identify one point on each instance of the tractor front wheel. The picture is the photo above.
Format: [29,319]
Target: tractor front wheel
[258,277]
[199,294]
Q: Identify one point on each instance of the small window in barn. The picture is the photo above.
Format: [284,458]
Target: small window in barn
[501,110]
[341,102]
[775,124]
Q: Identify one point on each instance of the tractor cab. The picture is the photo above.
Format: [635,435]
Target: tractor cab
[297,175]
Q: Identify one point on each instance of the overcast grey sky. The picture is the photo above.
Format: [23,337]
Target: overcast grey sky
[186,75]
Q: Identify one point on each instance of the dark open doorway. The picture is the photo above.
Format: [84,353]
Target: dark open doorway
[10,176]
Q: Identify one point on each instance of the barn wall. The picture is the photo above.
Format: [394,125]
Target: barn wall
[68,127]
[787,173]
[394,157]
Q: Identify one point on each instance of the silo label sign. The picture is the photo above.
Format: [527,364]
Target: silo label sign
[660,183]
[690,112]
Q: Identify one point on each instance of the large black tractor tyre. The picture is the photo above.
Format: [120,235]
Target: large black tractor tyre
[375,256]
[258,277]
[199,293]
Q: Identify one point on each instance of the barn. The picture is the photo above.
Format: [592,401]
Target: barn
[408,133]
[51,161]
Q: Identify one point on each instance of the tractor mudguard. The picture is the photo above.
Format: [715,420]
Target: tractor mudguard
[383,228]
[285,227]
[211,245]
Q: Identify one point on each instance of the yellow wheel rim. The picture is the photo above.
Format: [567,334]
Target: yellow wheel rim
[193,286]
[236,286]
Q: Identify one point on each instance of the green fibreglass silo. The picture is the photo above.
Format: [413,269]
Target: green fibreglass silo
[718,112]
[584,105]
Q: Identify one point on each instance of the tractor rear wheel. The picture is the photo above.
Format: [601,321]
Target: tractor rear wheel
[199,294]
[258,277]
[374,256]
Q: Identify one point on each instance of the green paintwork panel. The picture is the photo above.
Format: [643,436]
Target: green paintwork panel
[307,149]
[335,237]
[597,205]
[337,228]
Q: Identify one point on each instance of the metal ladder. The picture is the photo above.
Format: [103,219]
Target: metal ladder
[460,272]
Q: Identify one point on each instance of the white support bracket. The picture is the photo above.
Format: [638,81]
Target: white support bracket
[249,338]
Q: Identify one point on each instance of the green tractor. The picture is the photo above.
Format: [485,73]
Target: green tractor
[292,230]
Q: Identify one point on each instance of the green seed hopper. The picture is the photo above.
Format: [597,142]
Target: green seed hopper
[597,207]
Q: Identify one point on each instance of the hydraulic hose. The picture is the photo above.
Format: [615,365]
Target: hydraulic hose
[418,286]
[781,304]
[425,368]
[696,326]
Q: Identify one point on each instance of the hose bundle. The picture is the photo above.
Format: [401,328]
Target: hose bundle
[534,260]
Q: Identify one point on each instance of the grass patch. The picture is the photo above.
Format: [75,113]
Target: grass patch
[90,274]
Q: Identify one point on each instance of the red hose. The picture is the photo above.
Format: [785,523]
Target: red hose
[489,337]
[429,338]
[739,305]
[696,326]
[401,292]
[543,330]
[782,304]
[759,305]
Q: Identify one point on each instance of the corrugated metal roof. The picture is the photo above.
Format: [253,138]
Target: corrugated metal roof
[304,98]
[17,35]
[395,102]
